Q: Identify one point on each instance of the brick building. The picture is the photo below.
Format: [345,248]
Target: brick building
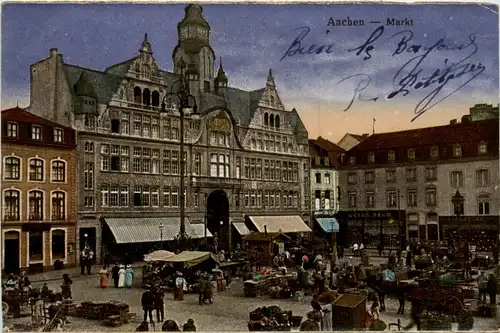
[398,185]
[245,153]
[38,192]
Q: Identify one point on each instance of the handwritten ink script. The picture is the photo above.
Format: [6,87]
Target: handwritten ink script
[454,70]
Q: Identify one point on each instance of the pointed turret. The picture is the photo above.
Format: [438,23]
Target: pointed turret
[221,79]
[83,87]
[270,79]
[86,96]
[146,45]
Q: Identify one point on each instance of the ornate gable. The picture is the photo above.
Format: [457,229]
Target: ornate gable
[270,97]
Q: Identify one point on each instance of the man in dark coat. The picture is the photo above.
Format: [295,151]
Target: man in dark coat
[147,302]
[159,306]
[114,274]
[492,288]
[201,292]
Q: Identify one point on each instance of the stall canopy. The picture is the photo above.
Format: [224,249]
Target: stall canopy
[285,224]
[328,224]
[160,255]
[147,230]
[241,228]
[192,258]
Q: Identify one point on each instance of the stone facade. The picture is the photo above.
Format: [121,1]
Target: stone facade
[244,147]
[38,192]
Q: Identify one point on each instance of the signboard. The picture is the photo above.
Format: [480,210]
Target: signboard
[372,215]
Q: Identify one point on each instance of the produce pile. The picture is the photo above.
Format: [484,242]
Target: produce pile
[112,313]
[270,318]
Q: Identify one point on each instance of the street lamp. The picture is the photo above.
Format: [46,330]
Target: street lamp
[85,236]
[458,203]
[161,226]
[184,109]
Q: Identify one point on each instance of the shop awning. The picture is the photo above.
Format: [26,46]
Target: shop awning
[192,258]
[285,224]
[147,229]
[199,230]
[241,228]
[328,224]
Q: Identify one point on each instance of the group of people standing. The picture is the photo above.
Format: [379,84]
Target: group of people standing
[122,276]
[86,260]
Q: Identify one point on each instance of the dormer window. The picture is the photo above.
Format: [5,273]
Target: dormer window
[58,135]
[482,148]
[391,156]
[352,160]
[434,152]
[371,157]
[12,130]
[457,150]
[411,154]
[36,132]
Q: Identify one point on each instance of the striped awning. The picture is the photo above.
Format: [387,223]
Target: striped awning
[147,229]
[284,224]
[199,229]
[241,228]
[328,224]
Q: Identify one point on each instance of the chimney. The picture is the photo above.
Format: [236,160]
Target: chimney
[54,52]
[453,122]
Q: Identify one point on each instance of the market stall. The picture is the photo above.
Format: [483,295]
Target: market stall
[268,244]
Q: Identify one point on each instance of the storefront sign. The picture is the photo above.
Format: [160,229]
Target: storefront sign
[467,219]
[372,215]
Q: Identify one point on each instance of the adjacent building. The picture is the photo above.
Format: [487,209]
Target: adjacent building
[38,192]
[350,140]
[245,153]
[483,112]
[399,185]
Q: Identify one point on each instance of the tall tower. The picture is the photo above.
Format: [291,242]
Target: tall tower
[193,47]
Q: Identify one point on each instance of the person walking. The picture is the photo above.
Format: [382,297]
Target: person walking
[103,277]
[159,305]
[180,287]
[482,282]
[121,278]
[201,291]
[90,260]
[147,302]
[83,261]
[492,288]
[66,287]
[114,274]
[129,276]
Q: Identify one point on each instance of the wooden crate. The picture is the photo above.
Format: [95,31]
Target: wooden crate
[349,312]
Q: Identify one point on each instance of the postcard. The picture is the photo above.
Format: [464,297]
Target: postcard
[261,167]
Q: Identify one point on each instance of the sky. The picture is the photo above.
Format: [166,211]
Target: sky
[456,42]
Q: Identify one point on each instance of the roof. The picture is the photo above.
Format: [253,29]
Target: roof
[264,237]
[192,258]
[359,137]
[21,115]
[327,145]
[322,147]
[428,136]
[278,224]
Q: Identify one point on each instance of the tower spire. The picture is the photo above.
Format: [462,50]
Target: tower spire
[146,46]
[270,79]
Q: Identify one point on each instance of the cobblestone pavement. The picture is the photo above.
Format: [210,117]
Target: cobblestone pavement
[229,311]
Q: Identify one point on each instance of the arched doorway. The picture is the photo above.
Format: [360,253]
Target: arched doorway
[11,252]
[218,217]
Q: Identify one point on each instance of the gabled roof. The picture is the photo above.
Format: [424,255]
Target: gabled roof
[327,145]
[359,137]
[298,128]
[122,68]
[21,115]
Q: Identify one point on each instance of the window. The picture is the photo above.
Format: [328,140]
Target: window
[58,171]
[371,157]
[352,199]
[166,196]
[125,127]
[457,179]
[369,177]
[175,163]
[155,196]
[390,176]
[12,206]
[317,199]
[370,199]
[58,244]
[352,178]
[36,246]
[484,204]
[124,196]
[412,198]
[35,205]
[430,197]
[36,169]
[88,174]
[430,173]
[318,178]
[458,208]
[89,147]
[12,130]
[391,156]
[238,167]
[327,178]
[58,135]
[90,121]
[411,154]
[259,169]
[482,148]
[411,175]
[115,126]
[219,165]
[113,197]
[327,199]
[104,196]
[457,150]
[36,132]
[352,160]
[89,201]
[12,168]
[145,197]
[392,199]
[58,206]
[174,197]
[137,196]
[434,153]
[482,178]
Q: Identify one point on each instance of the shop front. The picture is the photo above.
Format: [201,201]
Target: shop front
[479,231]
[374,227]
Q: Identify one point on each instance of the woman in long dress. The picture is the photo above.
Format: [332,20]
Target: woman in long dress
[180,287]
[121,277]
[129,276]
[103,277]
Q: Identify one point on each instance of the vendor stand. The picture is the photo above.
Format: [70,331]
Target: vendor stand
[268,244]
[190,262]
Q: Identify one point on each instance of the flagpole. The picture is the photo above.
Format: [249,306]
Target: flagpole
[373,126]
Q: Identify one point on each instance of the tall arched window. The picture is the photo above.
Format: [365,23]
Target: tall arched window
[137,95]
[36,169]
[12,168]
[12,205]
[146,97]
[35,205]
[271,120]
[58,206]
[266,119]
[58,171]
[155,98]
[391,156]
[411,154]
[277,121]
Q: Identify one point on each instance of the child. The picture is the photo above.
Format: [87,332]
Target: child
[375,307]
